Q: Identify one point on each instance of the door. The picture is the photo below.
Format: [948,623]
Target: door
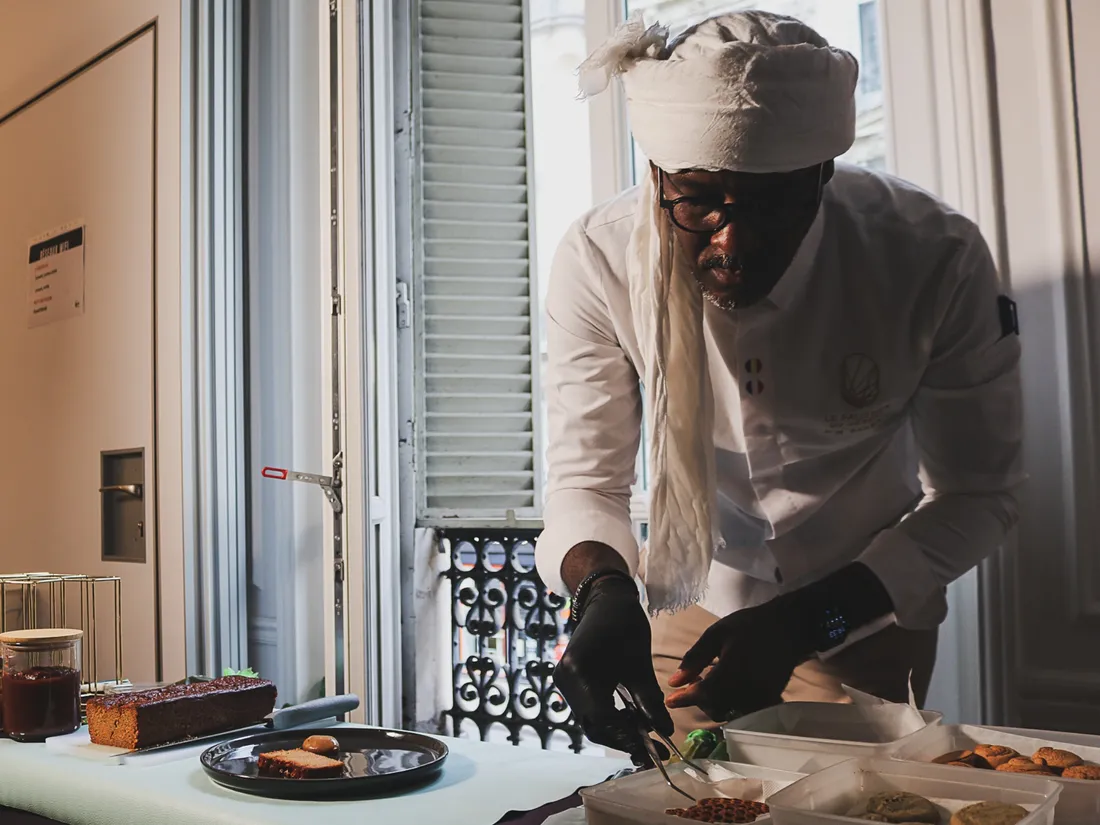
[81,386]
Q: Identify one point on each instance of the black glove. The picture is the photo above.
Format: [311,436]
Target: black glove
[611,646]
[757,649]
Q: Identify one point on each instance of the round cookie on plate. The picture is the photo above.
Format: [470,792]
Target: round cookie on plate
[989,813]
[901,807]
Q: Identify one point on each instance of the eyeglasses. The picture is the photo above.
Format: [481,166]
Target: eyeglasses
[705,216]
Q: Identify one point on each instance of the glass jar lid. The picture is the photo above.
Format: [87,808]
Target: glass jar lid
[42,635]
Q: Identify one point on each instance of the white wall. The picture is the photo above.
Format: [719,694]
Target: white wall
[39,43]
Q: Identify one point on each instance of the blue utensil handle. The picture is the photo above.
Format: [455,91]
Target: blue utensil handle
[314,710]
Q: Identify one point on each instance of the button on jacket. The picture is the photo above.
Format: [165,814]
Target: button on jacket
[869,409]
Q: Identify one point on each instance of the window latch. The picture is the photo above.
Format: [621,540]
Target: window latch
[328,484]
[403,306]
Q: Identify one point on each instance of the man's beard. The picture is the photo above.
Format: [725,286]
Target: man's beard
[726,303]
[739,296]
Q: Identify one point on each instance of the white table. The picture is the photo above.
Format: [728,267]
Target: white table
[479,785]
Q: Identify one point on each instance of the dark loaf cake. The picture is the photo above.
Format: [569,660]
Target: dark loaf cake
[178,712]
[299,764]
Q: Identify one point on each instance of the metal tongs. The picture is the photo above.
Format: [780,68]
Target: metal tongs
[646,729]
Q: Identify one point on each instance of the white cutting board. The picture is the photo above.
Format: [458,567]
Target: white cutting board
[79,744]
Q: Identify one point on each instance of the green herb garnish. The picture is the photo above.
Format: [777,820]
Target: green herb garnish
[249,672]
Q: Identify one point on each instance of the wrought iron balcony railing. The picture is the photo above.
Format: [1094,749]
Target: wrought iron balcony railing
[508,632]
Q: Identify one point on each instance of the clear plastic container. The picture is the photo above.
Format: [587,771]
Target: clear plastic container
[835,793]
[642,798]
[1079,803]
[807,736]
[40,683]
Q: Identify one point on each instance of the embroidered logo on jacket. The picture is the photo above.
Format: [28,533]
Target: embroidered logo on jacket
[859,378]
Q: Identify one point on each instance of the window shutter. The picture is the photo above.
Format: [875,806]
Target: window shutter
[478,454]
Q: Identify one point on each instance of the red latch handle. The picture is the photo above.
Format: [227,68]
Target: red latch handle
[275,472]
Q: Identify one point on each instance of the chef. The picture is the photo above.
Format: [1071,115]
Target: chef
[829,377]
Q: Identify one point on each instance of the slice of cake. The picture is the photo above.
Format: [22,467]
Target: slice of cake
[300,764]
[178,712]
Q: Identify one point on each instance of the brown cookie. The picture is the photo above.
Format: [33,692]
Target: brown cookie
[989,813]
[995,755]
[1021,764]
[902,807]
[1081,772]
[1056,759]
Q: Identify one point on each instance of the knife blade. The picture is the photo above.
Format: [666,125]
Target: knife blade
[280,719]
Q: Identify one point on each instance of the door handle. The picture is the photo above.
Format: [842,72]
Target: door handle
[129,489]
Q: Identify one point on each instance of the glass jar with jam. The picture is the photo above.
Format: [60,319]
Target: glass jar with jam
[40,685]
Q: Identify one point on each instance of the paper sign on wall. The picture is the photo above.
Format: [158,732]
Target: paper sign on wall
[56,262]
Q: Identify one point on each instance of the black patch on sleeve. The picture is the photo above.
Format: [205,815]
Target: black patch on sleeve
[1010,323]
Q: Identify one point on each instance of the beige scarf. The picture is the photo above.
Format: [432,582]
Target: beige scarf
[667,308]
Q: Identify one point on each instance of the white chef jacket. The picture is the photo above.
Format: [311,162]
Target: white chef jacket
[877,375]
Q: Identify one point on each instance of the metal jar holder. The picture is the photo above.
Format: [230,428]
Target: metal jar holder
[90,603]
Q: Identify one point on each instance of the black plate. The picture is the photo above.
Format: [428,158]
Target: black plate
[376,761]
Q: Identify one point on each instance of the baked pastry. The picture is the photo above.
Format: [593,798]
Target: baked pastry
[1021,764]
[1057,759]
[989,813]
[178,712]
[902,807]
[1081,772]
[299,764]
[324,745]
[995,755]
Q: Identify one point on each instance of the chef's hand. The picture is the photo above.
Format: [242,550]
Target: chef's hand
[611,646]
[757,649]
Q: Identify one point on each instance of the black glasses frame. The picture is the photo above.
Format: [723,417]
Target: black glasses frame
[746,210]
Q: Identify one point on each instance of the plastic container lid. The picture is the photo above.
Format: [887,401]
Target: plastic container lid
[41,635]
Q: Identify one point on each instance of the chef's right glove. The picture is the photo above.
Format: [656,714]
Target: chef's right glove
[610,646]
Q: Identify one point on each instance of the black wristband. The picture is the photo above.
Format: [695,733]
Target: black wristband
[585,587]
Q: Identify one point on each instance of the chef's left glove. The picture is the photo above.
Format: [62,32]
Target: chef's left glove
[752,653]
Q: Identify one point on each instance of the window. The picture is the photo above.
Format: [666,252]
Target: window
[476,381]
[561,139]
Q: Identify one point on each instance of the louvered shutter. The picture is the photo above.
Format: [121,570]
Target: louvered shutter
[477,453]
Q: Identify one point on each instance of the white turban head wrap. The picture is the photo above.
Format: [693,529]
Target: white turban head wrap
[744,92]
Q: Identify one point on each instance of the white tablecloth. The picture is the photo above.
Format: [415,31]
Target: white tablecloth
[480,784]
